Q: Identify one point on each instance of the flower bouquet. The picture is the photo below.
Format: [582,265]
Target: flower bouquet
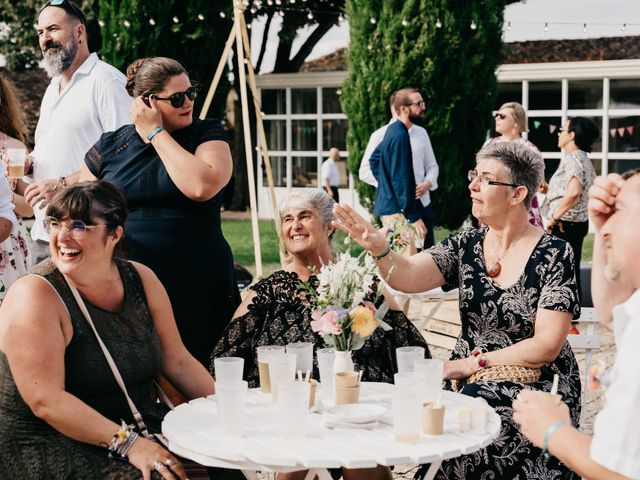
[341,314]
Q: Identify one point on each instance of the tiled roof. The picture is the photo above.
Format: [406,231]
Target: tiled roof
[538,51]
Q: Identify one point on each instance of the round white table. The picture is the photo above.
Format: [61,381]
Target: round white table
[193,432]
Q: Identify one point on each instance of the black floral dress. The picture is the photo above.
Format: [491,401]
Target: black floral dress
[495,317]
[280,314]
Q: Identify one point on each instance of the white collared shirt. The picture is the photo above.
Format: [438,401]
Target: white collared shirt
[424,160]
[616,430]
[331,172]
[72,120]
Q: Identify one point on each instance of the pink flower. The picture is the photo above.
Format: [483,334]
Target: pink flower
[327,321]
[370,306]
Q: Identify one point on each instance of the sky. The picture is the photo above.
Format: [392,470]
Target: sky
[565,19]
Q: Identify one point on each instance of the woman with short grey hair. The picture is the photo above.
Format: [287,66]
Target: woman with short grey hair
[518,296]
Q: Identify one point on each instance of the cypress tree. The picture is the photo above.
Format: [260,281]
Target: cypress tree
[452,64]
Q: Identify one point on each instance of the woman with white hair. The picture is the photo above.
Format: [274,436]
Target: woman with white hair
[518,296]
[276,310]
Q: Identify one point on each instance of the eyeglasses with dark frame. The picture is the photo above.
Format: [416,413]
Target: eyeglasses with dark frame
[77,228]
[485,180]
[499,115]
[68,7]
[177,99]
[420,103]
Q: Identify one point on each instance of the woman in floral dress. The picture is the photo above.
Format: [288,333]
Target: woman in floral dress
[517,295]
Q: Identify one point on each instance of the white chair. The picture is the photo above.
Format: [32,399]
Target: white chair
[587,341]
[436,295]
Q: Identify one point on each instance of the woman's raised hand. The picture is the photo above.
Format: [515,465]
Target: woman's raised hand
[145,115]
[147,456]
[359,229]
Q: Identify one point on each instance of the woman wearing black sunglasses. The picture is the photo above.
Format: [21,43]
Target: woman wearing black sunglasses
[511,123]
[171,169]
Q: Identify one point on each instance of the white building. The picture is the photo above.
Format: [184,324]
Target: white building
[553,79]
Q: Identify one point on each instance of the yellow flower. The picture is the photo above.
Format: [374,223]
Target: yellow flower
[362,321]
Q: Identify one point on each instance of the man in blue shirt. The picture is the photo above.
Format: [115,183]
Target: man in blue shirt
[392,166]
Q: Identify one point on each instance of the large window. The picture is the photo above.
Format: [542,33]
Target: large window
[585,94]
[302,125]
[545,95]
[625,93]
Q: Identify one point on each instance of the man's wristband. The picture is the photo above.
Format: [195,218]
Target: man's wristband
[547,436]
[154,132]
[383,254]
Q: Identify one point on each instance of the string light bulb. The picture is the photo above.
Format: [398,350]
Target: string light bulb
[175,19]
[200,17]
[438,23]
[372,20]
[223,15]
[101,23]
[152,22]
[405,22]
[509,26]
[473,25]
[584,27]
[546,26]
[126,23]
[310,16]
[623,27]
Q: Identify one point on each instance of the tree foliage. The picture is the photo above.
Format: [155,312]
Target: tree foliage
[453,67]
[321,13]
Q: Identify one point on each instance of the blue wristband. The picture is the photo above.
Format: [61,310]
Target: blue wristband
[154,132]
[383,254]
[547,436]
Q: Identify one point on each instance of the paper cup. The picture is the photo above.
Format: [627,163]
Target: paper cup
[464,418]
[432,419]
[347,379]
[347,395]
[313,387]
[16,158]
[263,353]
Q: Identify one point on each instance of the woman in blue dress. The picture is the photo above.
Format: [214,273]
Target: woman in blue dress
[171,169]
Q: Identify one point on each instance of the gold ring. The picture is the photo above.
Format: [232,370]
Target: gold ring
[169,463]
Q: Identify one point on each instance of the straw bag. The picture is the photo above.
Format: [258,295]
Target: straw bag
[500,373]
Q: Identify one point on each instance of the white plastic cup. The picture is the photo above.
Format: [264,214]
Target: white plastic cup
[326,357]
[293,408]
[304,354]
[479,416]
[407,357]
[228,368]
[404,380]
[282,368]
[429,372]
[263,353]
[406,410]
[16,158]
[231,396]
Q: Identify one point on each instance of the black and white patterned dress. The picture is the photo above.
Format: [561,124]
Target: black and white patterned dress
[495,317]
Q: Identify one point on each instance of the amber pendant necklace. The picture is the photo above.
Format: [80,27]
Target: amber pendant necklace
[494,268]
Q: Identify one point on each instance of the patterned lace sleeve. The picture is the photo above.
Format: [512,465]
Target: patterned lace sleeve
[559,290]
[447,255]
[93,160]
[211,129]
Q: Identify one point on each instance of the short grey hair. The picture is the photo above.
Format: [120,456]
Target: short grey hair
[524,165]
[314,198]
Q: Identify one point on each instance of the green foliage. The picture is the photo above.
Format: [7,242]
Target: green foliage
[142,28]
[452,66]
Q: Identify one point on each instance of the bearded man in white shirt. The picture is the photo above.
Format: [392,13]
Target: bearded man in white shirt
[425,166]
[613,452]
[86,97]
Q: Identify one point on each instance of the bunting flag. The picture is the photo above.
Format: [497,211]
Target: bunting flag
[630,130]
[621,131]
[552,128]
[536,124]
[612,132]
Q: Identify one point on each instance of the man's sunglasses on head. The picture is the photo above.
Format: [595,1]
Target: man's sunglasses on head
[177,99]
[68,7]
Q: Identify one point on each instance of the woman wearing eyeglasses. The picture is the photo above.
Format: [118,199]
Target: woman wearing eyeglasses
[171,169]
[517,298]
[511,122]
[63,415]
[565,205]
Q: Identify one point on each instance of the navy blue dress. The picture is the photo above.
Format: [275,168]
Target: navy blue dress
[178,238]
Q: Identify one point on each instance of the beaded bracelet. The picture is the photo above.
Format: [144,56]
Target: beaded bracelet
[122,441]
[383,254]
[481,357]
[547,436]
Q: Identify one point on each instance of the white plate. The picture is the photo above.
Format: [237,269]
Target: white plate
[357,412]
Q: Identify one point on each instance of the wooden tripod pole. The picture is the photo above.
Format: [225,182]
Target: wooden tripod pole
[238,11]
[218,74]
[264,149]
